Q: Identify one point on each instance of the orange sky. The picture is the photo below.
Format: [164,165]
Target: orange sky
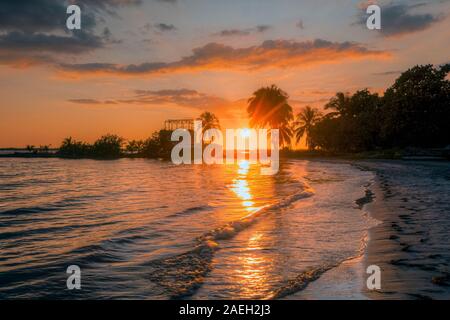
[134,64]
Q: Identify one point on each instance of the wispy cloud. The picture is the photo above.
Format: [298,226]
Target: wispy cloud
[33,31]
[181,97]
[164,27]
[399,19]
[387,73]
[243,32]
[215,56]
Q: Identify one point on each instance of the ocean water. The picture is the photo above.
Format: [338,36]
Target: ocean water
[151,230]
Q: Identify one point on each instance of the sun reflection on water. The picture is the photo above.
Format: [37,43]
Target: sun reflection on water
[252,271]
[253,274]
[241,187]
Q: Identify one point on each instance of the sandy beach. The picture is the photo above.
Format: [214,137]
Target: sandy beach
[408,241]
[411,245]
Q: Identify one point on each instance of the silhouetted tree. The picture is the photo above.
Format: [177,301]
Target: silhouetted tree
[209,121]
[134,146]
[305,120]
[30,148]
[74,149]
[416,109]
[269,108]
[108,146]
[159,145]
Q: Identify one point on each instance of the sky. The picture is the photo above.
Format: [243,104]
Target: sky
[136,63]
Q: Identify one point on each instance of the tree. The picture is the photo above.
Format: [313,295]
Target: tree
[209,121]
[269,108]
[30,148]
[417,109]
[44,148]
[305,121]
[340,103]
[159,145]
[134,146]
[74,149]
[109,146]
[326,135]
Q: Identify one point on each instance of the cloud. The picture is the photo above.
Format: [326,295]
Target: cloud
[180,97]
[243,32]
[231,113]
[263,28]
[107,3]
[40,42]
[300,24]
[387,73]
[164,27]
[398,20]
[34,31]
[85,101]
[232,32]
[50,15]
[215,56]
[21,49]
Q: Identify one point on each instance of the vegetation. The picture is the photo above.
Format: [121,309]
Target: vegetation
[413,112]
[209,121]
[158,146]
[269,108]
[305,121]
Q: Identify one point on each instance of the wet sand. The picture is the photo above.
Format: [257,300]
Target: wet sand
[410,243]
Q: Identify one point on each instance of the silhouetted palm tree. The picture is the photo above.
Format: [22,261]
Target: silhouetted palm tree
[340,103]
[306,119]
[209,121]
[44,148]
[269,108]
[30,148]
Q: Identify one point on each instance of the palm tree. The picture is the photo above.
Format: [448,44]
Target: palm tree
[30,148]
[306,119]
[44,148]
[209,121]
[269,108]
[340,103]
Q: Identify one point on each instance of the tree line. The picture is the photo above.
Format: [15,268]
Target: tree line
[158,145]
[413,112]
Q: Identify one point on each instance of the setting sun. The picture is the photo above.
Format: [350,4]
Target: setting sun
[245,133]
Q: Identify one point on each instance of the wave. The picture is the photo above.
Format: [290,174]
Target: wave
[65,203]
[183,274]
[29,210]
[302,280]
[192,210]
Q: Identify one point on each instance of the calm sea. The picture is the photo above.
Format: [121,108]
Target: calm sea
[148,229]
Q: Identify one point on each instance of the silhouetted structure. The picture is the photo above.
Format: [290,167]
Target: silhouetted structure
[171,125]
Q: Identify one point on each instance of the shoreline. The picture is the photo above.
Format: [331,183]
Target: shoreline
[409,244]
[347,280]
[406,154]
